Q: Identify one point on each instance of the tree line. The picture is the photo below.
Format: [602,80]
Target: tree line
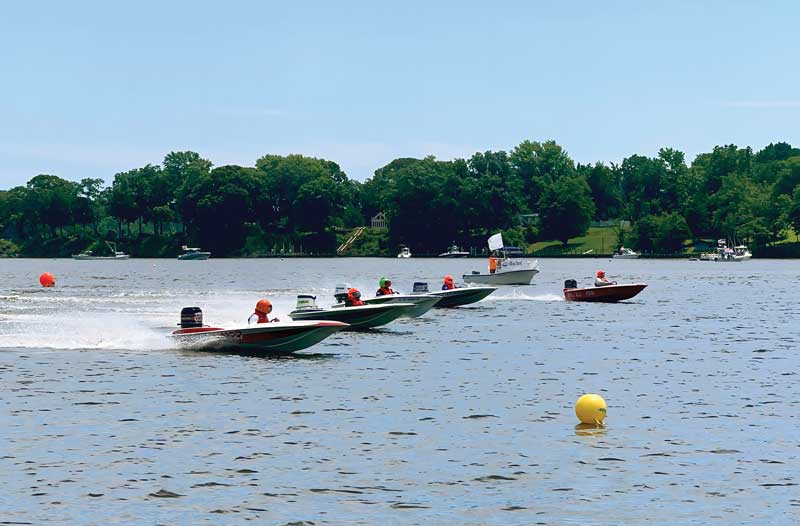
[532,193]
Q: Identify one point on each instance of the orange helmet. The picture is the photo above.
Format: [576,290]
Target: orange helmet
[448,279]
[354,294]
[264,306]
[601,273]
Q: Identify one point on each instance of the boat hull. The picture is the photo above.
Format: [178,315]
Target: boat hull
[82,257]
[463,296]
[195,256]
[357,318]
[505,277]
[422,304]
[625,256]
[607,294]
[265,338]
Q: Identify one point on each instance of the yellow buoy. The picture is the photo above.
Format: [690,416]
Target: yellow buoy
[591,409]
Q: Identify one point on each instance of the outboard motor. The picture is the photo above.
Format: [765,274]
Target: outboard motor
[570,284]
[191,317]
[340,293]
[420,287]
[306,301]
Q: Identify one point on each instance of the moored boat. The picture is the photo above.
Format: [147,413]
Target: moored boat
[89,255]
[404,253]
[454,252]
[606,294]
[264,338]
[625,253]
[454,297]
[193,254]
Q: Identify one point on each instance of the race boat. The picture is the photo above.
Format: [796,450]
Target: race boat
[454,252]
[422,302]
[625,253]
[88,255]
[264,338]
[404,253]
[357,318]
[193,254]
[606,294]
[454,297]
[508,272]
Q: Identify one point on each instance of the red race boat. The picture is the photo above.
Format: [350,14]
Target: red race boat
[606,294]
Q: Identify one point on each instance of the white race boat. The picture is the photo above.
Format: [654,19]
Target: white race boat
[88,255]
[356,317]
[263,338]
[454,297]
[625,253]
[509,271]
[193,254]
[404,253]
[422,302]
[454,252]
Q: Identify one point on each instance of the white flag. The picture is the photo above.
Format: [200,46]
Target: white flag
[496,242]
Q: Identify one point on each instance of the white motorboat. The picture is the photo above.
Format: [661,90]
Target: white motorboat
[625,253]
[357,317]
[454,252]
[88,255]
[404,253]
[263,338]
[454,297]
[727,254]
[193,254]
[423,302]
[509,271]
[736,254]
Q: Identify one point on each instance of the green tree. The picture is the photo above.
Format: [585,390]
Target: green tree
[537,165]
[671,233]
[566,208]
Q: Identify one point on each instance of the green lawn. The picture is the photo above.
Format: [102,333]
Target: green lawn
[598,240]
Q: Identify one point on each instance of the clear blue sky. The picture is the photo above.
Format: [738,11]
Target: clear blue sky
[89,89]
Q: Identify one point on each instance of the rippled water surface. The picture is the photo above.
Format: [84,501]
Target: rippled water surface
[464,416]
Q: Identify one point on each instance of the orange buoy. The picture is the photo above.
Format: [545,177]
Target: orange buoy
[47,279]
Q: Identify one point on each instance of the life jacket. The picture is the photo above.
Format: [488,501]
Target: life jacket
[492,264]
[262,318]
[384,291]
[352,301]
[448,286]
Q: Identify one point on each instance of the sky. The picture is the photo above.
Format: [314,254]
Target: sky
[90,89]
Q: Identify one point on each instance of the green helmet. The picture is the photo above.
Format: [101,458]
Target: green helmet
[382,282]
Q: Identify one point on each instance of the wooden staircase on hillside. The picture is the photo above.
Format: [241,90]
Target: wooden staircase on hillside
[344,247]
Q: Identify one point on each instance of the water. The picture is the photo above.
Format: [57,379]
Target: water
[464,416]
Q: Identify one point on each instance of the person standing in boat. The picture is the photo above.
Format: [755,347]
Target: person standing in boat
[601,280]
[353,298]
[448,284]
[262,312]
[492,264]
[385,288]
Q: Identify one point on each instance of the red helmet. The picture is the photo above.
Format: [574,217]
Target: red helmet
[448,279]
[354,294]
[601,273]
[264,306]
